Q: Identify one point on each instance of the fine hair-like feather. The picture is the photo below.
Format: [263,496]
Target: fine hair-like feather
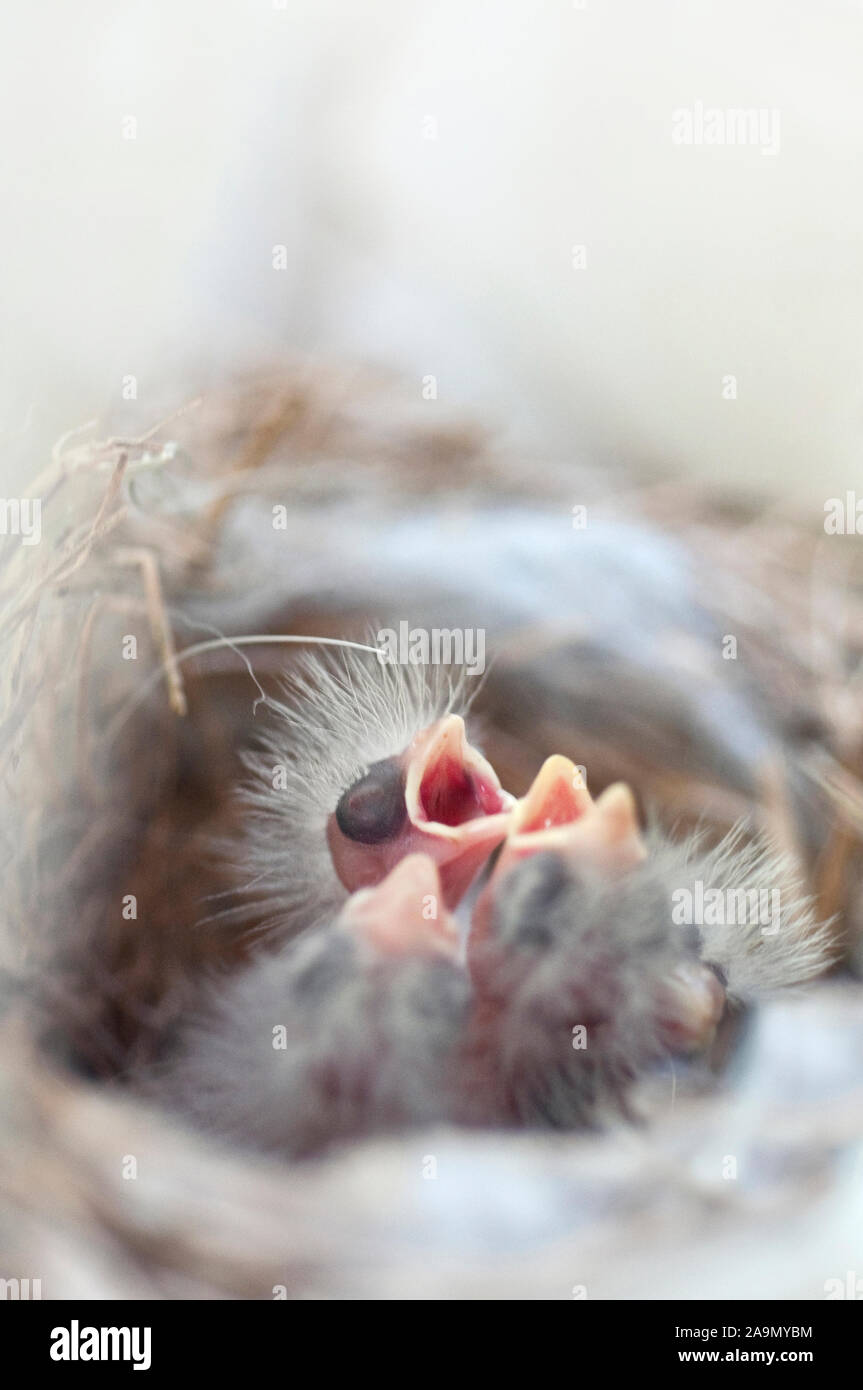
[339,713]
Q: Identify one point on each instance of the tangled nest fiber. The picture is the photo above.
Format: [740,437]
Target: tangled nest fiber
[120,747]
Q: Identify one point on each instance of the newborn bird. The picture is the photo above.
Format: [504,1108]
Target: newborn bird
[366,1013]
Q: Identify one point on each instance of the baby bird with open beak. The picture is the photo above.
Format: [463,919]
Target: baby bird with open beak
[580,978]
[365,830]
[362,765]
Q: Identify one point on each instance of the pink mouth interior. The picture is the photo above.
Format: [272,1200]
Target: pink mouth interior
[451,794]
[557,809]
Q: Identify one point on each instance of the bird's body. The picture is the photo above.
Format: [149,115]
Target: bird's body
[369,814]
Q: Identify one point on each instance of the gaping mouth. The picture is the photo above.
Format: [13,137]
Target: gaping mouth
[451,795]
[449,784]
[440,799]
[558,813]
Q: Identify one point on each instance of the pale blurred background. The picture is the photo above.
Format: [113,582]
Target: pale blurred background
[428,169]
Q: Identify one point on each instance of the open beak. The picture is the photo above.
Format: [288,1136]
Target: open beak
[404,914]
[559,815]
[455,812]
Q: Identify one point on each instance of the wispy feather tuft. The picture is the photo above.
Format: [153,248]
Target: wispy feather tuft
[339,713]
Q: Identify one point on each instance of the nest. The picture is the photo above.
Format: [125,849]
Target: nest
[127,703]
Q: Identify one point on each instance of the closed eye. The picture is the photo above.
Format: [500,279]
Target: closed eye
[373,809]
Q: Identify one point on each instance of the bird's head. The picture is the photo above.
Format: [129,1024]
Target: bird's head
[364,764]
[559,816]
[598,841]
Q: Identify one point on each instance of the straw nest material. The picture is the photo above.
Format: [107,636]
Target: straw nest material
[126,708]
